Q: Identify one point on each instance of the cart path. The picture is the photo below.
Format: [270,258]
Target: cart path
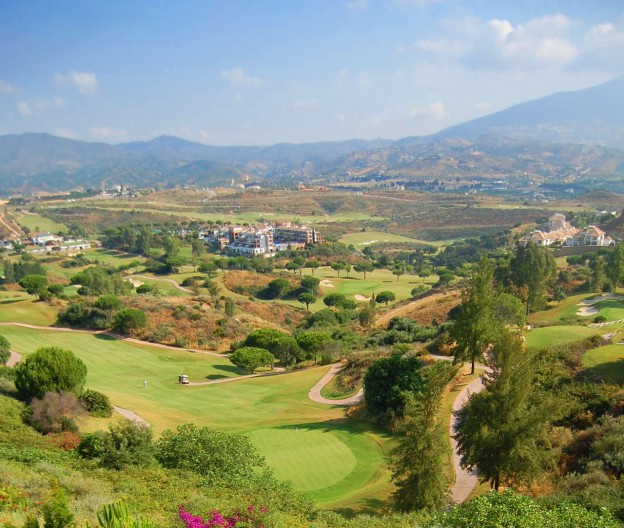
[465,480]
[13,231]
[170,281]
[115,336]
[14,359]
[131,415]
[315,392]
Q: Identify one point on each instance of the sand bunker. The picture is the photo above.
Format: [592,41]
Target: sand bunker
[135,282]
[587,310]
[327,284]
[359,297]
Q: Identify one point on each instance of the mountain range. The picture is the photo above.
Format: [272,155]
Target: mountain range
[591,119]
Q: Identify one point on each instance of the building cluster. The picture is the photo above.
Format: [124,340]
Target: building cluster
[559,230]
[264,240]
[46,242]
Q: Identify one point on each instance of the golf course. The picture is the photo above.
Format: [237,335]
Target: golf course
[335,460]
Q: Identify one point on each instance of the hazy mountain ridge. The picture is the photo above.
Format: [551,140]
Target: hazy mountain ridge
[565,131]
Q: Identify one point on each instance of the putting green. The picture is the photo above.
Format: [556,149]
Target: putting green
[557,335]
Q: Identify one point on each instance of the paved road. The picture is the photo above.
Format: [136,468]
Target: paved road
[465,481]
[130,415]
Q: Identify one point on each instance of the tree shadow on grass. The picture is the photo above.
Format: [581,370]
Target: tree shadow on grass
[12,301]
[106,337]
[368,506]
[610,372]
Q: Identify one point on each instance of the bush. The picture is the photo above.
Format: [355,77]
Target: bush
[128,443]
[55,412]
[50,369]
[96,403]
[129,320]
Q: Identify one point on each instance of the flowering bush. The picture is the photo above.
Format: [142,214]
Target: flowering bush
[252,518]
[13,498]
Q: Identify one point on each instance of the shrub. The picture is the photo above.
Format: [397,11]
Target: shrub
[49,369]
[128,443]
[129,320]
[5,353]
[96,403]
[55,412]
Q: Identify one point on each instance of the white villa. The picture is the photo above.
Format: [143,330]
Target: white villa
[560,230]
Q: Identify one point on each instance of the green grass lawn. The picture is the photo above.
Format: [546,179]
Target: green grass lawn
[606,363]
[335,460]
[612,309]
[37,223]
[362,239]
[555,335]
[20,307]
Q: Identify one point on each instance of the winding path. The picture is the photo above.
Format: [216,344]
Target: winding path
[12,230]
[131,415]
[170,281]
[315,392]
[465,480]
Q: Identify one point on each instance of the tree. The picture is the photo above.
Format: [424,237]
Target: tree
[312,264]
[366,316]
[229,307]
[172,246]
[50,369]
[207,266]
[533,268]
[559,294]
[418,461]
[198,248]
[215,455]
[386,297]
[503,430]
[34,284]
[280,344]
[398,271]
[293,266]
[483,315]
[363,267]
[388,379]
[310,284]
[615,266]
[338,267]
[314,342]
[5,352]
[129,320]
[108,303]
[277,288]
[307,299]
[598,276]
[251,358]
[55,412]
[334,299]
[348,269]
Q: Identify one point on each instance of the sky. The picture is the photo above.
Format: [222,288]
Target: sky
[260,72]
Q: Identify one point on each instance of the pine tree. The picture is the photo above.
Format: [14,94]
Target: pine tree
[503,431]
[418,462]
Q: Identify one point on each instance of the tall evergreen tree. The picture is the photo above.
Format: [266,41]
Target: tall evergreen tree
[533,269]
[503,431]
[615,266]
[418,460]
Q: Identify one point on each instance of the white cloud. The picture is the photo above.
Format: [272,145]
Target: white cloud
[601,48]
[435,110]
[37,107]
[24,108]
[7,88]
[499,44]
[107,133]
[238,77]
[61,132]
[305,103]
[85,82]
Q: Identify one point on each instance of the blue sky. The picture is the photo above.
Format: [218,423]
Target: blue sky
[233,72]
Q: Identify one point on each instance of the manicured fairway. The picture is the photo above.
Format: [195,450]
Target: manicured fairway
[556,335]
[612,309]
[606,362]
[362,239]
[37,223]
[23,308]
[340,458]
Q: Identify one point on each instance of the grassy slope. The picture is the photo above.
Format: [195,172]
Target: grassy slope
[18,306]
[345,462]
[555,335]
[606,362]
[38,223]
